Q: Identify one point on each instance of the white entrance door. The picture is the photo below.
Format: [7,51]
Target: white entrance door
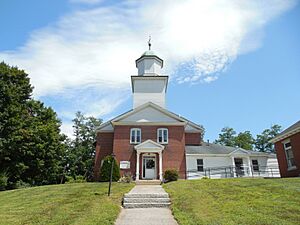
[149,167]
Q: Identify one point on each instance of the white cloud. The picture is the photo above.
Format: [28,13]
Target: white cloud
[209,79]
[96,48]
[67,129]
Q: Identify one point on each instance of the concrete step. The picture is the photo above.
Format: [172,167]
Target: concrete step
[146,195]
[148,182]
[146,200]
[146,205]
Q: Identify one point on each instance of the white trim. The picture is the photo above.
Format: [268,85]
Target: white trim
[161,77]
[162,138]
[148,104]
[289,166]
[160,166]
[149,123]
[222,155]
[182,121]
[156,147]
[103,125]
[105,131]
[239,149]
[155,169]
[137,169]
[286,135]
[135,138]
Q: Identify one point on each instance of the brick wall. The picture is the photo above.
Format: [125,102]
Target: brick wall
[104,147]
[173,155]
[193,138]
[295,143]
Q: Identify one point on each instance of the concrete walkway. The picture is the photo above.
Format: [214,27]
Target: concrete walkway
[146,216]
[147,189]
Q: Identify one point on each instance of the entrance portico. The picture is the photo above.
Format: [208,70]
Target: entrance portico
[150,150]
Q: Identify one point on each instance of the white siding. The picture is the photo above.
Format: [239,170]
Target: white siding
[142,98]
[149,66]
[268,166]
[150,85]
[208,162]
[107,128]
[189,128]
[149,114]
[149,90]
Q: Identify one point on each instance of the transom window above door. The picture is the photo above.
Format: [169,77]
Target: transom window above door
[162,135]
[135,135]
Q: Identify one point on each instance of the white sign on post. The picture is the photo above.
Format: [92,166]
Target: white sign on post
[124,165]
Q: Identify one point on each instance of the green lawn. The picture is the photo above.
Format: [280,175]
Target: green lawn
[236,201]
[79,203]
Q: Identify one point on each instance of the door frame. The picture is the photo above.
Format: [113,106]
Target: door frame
[149,155]
[240,170]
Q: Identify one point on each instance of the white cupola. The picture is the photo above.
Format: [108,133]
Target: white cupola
[149,85]
[149,64]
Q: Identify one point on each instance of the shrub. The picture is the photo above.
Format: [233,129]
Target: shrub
[78,179]
[21,184]
[205,178]
[3,181]
[126,178]
[106,167]
[171,175]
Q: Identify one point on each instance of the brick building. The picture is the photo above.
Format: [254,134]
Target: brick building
[149,139]
[287,146]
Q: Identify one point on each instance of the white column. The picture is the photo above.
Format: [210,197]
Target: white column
[233,166]
[249,166]
[137,174]
[160,166]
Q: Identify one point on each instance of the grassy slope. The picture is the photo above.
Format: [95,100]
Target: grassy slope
[81,203]
[236,201]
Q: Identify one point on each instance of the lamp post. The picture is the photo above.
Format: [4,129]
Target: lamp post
[111,172]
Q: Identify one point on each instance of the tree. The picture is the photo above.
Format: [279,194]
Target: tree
[244,140]
[106,168]
[81,150]
[262,142]
[31,146]
[227,137]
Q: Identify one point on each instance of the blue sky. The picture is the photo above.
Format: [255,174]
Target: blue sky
[231,63]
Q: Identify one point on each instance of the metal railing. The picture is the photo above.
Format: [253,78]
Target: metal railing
[234,171]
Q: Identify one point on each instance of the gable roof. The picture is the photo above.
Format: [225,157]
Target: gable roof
[295,128]
[167,113]
[216,149]
[149,144]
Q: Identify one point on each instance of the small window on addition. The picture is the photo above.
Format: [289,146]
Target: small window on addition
[255,165]
[200,167]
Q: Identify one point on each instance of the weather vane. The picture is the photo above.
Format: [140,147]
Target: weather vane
[149,42]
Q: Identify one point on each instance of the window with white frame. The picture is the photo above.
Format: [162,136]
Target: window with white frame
[135,135]
[162,135]
[200,167]
[289,153]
